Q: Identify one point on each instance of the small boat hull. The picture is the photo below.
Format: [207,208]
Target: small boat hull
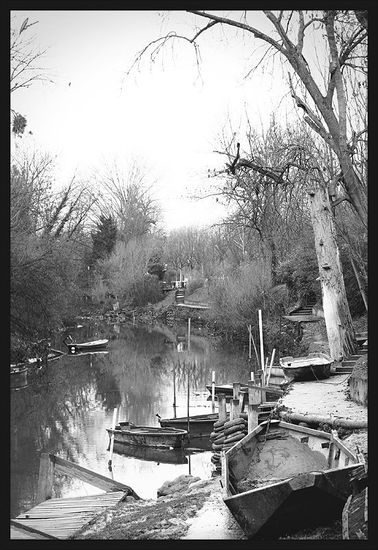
[148,436]
[75,348]
[199,425]
[281,478]
[151,454]
[306,368]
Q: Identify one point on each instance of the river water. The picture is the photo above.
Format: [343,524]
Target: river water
[66,406]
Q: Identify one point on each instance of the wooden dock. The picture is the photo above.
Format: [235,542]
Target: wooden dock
[61,518]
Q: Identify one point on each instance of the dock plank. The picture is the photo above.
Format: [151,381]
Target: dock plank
[60,517]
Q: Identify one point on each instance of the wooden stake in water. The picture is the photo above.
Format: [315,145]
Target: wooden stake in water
[188,403]
[174,390]
[213,391]
[115,413]
[188,333]
[261,342]
[249,342]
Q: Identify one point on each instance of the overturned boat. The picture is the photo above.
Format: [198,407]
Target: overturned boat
[315,366]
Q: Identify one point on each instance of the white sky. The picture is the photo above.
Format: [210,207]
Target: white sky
[163,114]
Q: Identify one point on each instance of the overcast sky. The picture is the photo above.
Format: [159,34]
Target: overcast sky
[164,114]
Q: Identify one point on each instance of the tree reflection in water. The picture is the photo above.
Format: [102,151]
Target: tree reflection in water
[67,405]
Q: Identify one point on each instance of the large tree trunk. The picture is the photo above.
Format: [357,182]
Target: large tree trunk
[340,331]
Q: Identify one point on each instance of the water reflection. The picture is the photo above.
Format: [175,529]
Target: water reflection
[67,406]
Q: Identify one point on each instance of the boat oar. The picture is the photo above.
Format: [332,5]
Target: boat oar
[115,414]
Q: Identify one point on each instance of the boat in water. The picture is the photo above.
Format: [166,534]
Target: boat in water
[163,455]
[281,478]
[315,366]
[80,347]
[200,425]
[150,436]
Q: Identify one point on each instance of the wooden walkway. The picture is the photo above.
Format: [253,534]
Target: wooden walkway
[61,518]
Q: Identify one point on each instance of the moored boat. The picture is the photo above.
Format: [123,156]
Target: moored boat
[78,347]
[200,425]
[150,436]
[281,478]
[162,455]
[315,366]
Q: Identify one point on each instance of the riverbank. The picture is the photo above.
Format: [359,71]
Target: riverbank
[190,508]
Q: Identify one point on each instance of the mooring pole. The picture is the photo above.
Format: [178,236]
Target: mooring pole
[115,413]
[213,391]
[188,403]
[174,390]
[261,343]
[188,333]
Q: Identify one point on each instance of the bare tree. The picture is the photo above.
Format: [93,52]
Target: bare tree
[127,197]
[25,68]
[324,98]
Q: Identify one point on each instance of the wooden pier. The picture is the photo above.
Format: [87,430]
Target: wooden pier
[61,518]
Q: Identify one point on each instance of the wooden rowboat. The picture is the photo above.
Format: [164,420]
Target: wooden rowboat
[200,425]
[150,436]
[281,478]
[76,347]
[315,366]
[162,455]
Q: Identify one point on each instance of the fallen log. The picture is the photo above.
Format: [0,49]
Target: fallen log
[333,422]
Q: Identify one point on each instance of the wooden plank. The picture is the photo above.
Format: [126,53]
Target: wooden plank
[29,530]
[60,518]
[224,472]
[65,467]
[263,389]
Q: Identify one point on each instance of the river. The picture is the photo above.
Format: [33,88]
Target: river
[66,406]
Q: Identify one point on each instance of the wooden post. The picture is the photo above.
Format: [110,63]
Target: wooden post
[252,376]
[222,406]
[254,400]
[261,341]
[188,333]
[234,413]
[249,342]
[270,366]
[243,400]
[115,414]
[254,346]
[213,391]
[235,390]
[188,405]
[45,479]
[174,390]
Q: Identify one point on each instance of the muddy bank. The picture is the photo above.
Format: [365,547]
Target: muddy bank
[168,517]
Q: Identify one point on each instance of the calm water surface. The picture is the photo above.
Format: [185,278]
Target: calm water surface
[67,406]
